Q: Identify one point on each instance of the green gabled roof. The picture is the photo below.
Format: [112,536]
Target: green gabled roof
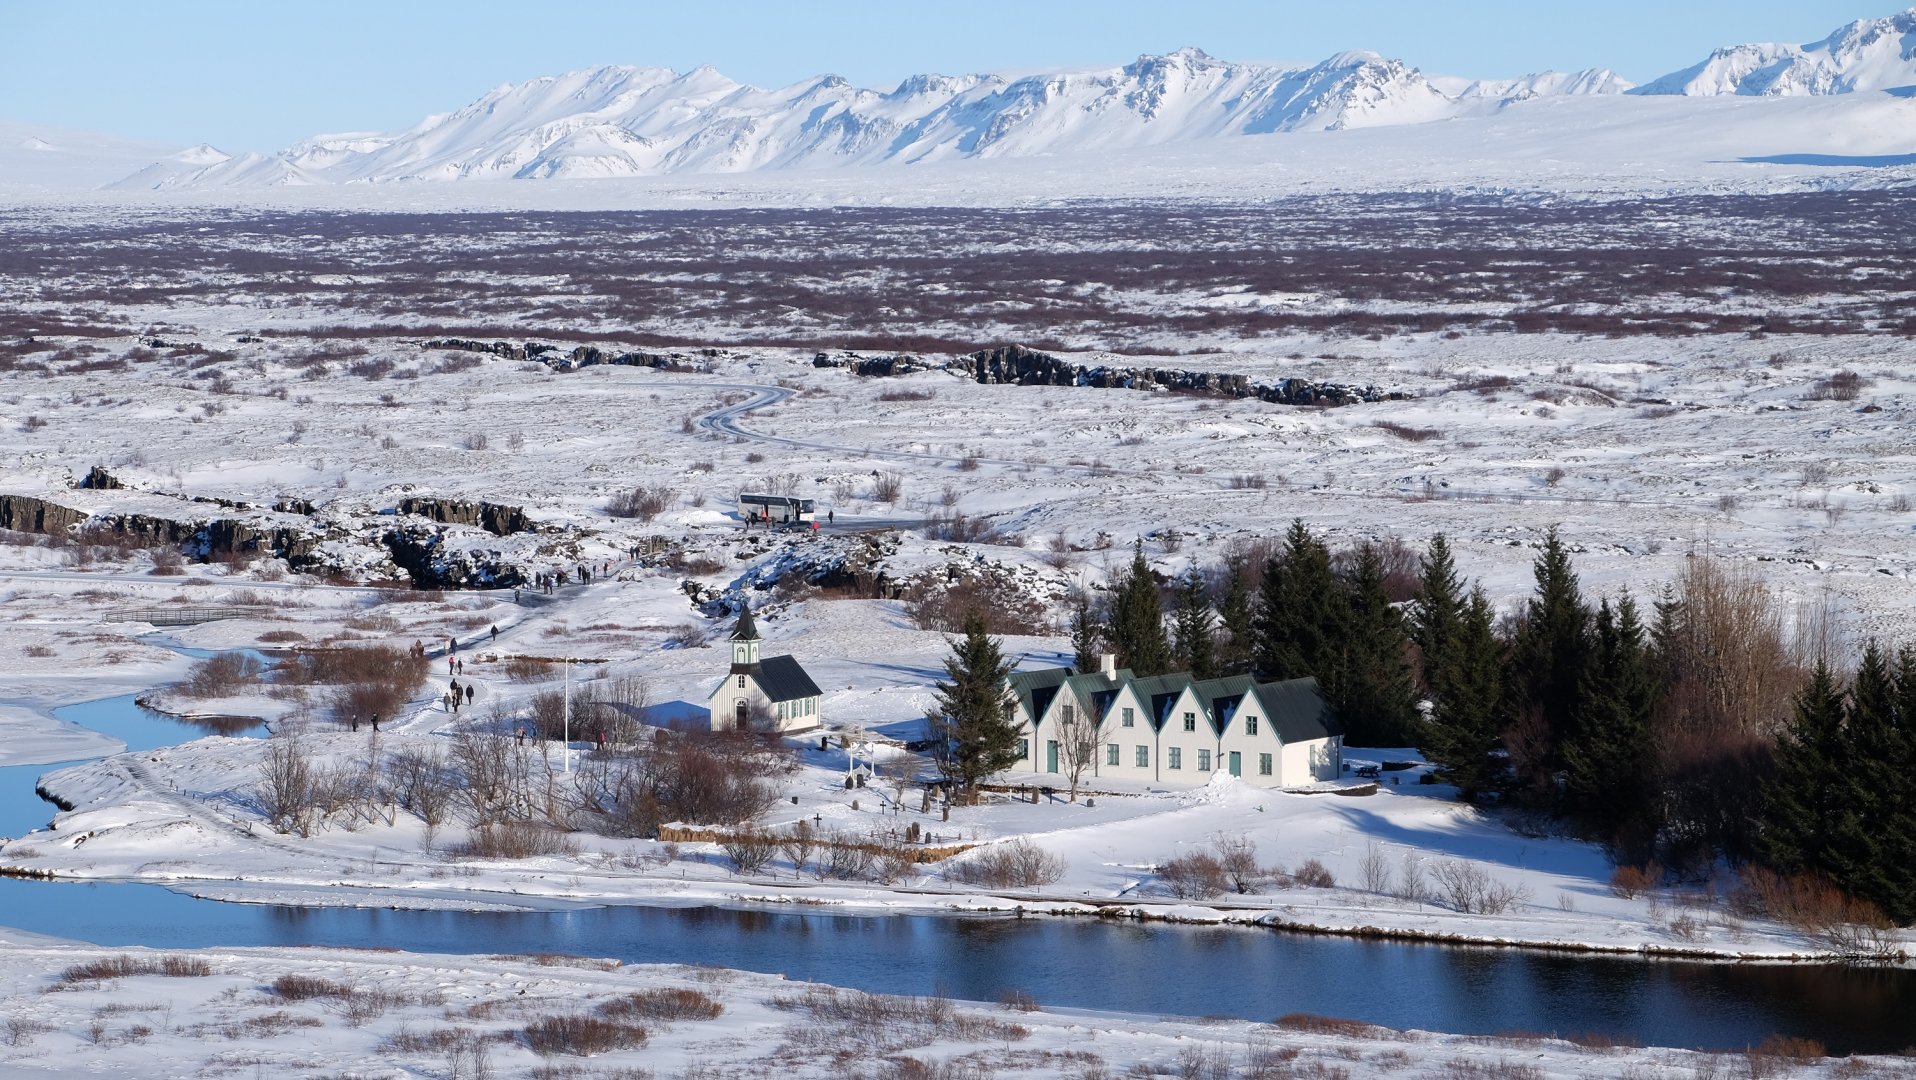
[1159,693]
[1298,711]
[1035,689]
[1222,697]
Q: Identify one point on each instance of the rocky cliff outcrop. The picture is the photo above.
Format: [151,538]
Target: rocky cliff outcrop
[494,518]
[1027,367]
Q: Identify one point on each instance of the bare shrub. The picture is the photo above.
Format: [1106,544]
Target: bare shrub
[1311,874]
[1843,924]
[1844,385]
[528,668]
[286,787]
[308,987]
[906,395]
[221,675]
[120,967]
[662,1004]
[1313,1024]
[581,1035]
[515,840]
[366,680]
[1407,432]
[1015,864]
[887,487]
[943,605]
[1194,876]
[750,849]
[642,503]
[1467,887]
[422,782]
[1248,482]
[1628,882]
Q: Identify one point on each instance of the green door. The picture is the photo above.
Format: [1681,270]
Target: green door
[1051,756]
[1237,763]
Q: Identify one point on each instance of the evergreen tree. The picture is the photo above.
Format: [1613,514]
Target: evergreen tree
[1192,625]
[1301,612]
[1548,661]
[1607,764]
[1801,796]
[972,733]
[1235,620]
[1436,618]
[1871,852]
[1136,631]
[1372,688]
[1086,634]
[1466,718]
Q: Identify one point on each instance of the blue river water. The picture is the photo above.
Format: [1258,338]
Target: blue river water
[1102,964]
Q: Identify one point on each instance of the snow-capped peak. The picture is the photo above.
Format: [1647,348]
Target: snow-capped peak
[1869,54]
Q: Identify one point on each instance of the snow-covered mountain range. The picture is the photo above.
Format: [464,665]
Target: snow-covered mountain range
[628,121]
[1869,54]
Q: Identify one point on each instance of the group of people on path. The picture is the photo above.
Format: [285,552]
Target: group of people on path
[456,695]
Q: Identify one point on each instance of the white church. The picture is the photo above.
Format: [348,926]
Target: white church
[770,693]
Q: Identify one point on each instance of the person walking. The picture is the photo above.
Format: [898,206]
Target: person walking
[468,693]
[495,633]
[355,721]
[375,722]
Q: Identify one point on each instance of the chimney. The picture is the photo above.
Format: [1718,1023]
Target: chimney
[1108,663]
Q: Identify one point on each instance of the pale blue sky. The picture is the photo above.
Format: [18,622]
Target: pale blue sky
[259,74]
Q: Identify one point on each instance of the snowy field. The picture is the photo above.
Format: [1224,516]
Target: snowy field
[340,1012]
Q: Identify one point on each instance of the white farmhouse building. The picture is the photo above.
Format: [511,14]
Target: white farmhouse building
[1173,729]
[771,691]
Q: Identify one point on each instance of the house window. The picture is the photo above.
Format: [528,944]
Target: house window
[1110,753]
[1263,764]
[1130,718]
[1067,714]
[1190,721]
[1177,759]
[1204,761]
[1144,757]
[1250,725]
[741,682]
[1024,749]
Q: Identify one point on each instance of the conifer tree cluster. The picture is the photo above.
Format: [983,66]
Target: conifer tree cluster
[1657,736]
[1838,804]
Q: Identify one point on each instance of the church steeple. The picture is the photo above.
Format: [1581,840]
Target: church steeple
[745,639]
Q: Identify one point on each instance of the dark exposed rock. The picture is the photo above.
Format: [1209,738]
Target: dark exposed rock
[97,478]
[421,551]
[1027,367]
[494,518]
[30,514]
[290,505]
[559,359]
[871,366]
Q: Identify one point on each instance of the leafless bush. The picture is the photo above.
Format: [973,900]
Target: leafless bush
[1194,876]
[286,787]
[1248,481]
[1467,887]
[906,395]
[750,849]
[1844,385]
[1311,874]
[120,967]
[528,668]
[221,675]
[1237,860]
[422,783]
[887,487]
[515,840]
[581,1035]
[1015,864]
[308,987]
[662,1004]
[799,844]
[1007,609]
[642,503]
[956,527]
[366,680]
[844,858]
[1628,882]
[1407,432]
[1843,924]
